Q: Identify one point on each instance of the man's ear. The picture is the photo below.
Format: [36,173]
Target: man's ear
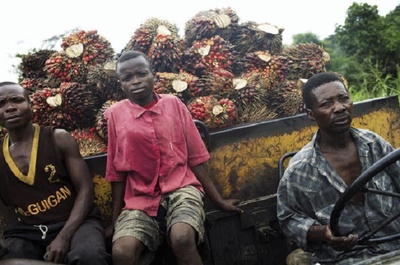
[310,114]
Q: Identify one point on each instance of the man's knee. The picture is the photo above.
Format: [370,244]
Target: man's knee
[182,238]
[89,255]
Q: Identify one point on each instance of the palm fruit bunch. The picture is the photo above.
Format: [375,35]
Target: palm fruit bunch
[251,36]
[207,24]
[208,54]
[79,51]
[33,84]
[257,60]
[217,81]
[69,106]
[103,81]
[33,71]
[251,88]
[166,52]
[178,84]
[256,112]
[214,112]
[80,102]
[277,69]
[89,46]
[63,68]
[32,64]
[101,122]
[47,109]
[287,100]
[89,142]
[305,60]
[143,36]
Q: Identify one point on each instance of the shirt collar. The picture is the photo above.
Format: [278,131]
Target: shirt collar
[139,110]
[361,139]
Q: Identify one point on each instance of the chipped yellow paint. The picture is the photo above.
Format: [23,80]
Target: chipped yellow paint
[235,165]
[102,191]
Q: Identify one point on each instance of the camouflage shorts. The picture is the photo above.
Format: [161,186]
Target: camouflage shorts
[182,206]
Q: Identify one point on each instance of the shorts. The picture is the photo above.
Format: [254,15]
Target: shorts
[181,206]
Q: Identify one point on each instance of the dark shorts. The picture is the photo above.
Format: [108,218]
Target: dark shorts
[87,244]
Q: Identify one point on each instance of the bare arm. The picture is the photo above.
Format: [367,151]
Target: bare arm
[226,204]
[82,181]
[118,191]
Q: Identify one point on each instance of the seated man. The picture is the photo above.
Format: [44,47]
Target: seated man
[322,170]
[45,178]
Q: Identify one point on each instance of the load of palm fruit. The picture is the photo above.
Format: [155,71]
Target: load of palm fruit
[212,111]
[178,84]
[102,80]
[225,72]
[256,112]
[286,99]
[33,71]
[160,41]
[207,54]
[47,110]
[207,24]
[305,60]
[79,51]
[32,64]
[89,141]
[217,81]
[166,52]
[251,36]
[65,69]
[92,48]
[33,84]
[101,122]
[251,88]
[257,60]
[70,106]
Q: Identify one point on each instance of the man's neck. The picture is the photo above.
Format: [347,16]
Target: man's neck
[336,141]
[21,135]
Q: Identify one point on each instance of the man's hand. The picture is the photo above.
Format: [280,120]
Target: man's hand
[341,243]
[230,205]
[57,250]
[108,231]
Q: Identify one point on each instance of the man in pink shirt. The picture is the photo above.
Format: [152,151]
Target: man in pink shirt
[155,164]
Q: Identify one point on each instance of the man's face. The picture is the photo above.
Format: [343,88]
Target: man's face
[331,107]
[137,80]
[14,107]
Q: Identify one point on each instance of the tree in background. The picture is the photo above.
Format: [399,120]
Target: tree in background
[366,51]
[306,38]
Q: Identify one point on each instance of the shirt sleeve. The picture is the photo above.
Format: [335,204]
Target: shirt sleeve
[111,173]
[294,222]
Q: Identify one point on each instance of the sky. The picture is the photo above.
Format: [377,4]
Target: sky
[25,24]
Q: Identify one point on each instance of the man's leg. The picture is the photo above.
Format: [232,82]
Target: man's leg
[88,245]
[22,248]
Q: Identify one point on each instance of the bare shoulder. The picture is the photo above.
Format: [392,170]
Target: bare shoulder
[64,140]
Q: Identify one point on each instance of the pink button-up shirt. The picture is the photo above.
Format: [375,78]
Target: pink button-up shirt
[152,150]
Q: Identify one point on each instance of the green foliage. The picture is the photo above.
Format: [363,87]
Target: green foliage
[362,31]
[372,84]
[366,51]
[306,38]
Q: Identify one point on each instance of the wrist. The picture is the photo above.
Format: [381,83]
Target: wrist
[317,233]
